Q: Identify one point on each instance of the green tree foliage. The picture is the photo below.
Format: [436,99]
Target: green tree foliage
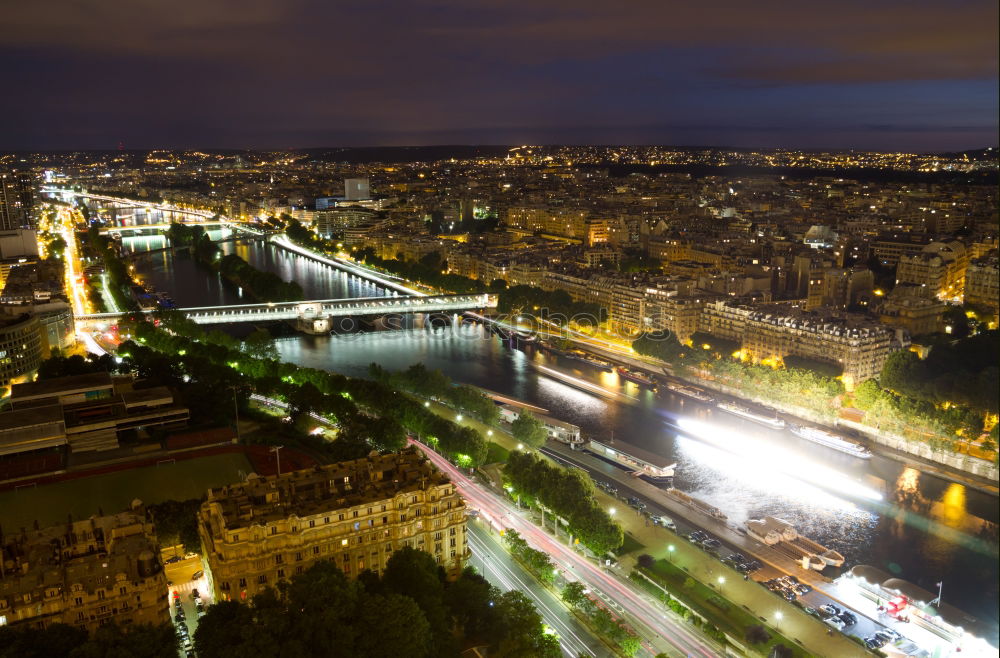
[110,641]
[177,523]
[573,594]
[536,561]
[265,286]
[556,306]
[529,430]
[371,414]
[756,634]
[410,611]
[430,270]
[567,492]
[60,366]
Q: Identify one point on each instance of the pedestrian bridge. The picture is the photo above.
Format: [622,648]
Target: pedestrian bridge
[314,314]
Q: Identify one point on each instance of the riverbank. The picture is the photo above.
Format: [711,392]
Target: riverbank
[961,469]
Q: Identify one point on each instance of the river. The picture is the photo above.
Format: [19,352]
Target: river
[876,512]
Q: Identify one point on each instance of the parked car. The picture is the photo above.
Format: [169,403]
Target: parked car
[889,633]
[810,611]
[848,618]
[835,622]
[830,609]
[802,588]
[197,574]
[665,522]
[195,595]
[788,594]
[873,643]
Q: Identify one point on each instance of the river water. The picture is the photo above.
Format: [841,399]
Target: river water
[876,512]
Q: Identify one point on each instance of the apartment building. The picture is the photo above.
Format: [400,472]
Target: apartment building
[859,345]
[939,268]
[355,514]
[85,573]
[982,282]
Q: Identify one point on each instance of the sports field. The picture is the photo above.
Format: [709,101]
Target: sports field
[112,492]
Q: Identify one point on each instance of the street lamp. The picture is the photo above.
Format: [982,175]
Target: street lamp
[277,453]
[670,552]
[777,620]
[611,511]
[520,446]
[722,581]
[459,418]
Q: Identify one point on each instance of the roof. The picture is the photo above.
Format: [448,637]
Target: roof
[60,386]
[873,575]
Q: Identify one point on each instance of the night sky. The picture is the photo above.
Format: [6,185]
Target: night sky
[880,74]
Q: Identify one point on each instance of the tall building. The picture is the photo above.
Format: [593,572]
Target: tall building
[85,573]
[356,189]
[20,348]
[16,200]
[982,283]
[355,514]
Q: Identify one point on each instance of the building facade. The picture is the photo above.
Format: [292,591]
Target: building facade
[354,514]
[16,200]
[84,573]
[20,348]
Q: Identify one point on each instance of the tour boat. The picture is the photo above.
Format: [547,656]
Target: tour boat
[831,440]
[743,412]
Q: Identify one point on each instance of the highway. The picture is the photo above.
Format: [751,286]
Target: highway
[498,567]
[659,631]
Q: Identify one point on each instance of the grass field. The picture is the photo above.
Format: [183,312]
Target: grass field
[112,492]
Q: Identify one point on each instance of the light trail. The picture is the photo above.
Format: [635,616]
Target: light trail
[511,581]
[640,607]
[584,384]
[764,457]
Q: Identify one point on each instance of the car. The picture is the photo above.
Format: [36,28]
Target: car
[872,644]
[792,579]
[885,637]
[848,619]
[835,622]
[810,611]
[711,542]
[664,521]
[802,588]
[789,595]
[194,594]
[199,605]
[889,633]
[830,609]
[171,560]
[179,617]
[197,574]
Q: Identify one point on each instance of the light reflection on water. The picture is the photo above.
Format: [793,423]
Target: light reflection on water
[925,530]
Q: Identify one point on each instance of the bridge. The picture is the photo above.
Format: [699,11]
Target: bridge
[315,316]
[205,217]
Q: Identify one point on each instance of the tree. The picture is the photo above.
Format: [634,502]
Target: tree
[402,628]
[529,430]
[646,561]
[524,635]
[139,641]
[756,634]
[260,345]
[23,641]
[573,594]
[780,651]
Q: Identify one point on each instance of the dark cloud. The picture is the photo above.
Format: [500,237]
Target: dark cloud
[302,72]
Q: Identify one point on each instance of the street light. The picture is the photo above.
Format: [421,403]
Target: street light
[459,418]
[611,511]
[722,581]
[777,620]
[670,552]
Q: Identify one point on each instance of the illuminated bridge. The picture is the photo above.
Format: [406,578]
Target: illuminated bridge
[315,316]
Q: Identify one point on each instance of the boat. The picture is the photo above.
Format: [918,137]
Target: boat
[635,377]
[639,461]
[783,536]
[743,412]
[579,355]
[691,392]
[831,440]
[696,503]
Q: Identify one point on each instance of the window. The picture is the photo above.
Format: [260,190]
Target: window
[402,518]
[279,559]
[344,542]
[413,499]
[298,557]
[243,582]
[437,547]
[224,586]
[326,519]
[262,579]
[340,517]
[78,600]
[453,553]
[100,595]
[281,573]
[236,537]
[315,550]
[452,532]
[357,525]
[452,543]
[385,520]
[123,591]
[274,530]
[312,524]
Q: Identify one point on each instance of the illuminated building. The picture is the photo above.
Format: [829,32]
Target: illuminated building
[354,514]
[85,573]
[20,348]
[860,346]
[982,283]
[16,200]
[939,269]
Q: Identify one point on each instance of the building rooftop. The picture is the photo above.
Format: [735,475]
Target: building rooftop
[332,486]
[60,386]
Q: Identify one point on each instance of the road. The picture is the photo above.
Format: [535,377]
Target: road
[498,567]
[660,631]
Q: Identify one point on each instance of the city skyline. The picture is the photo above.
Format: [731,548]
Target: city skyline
[287,75]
